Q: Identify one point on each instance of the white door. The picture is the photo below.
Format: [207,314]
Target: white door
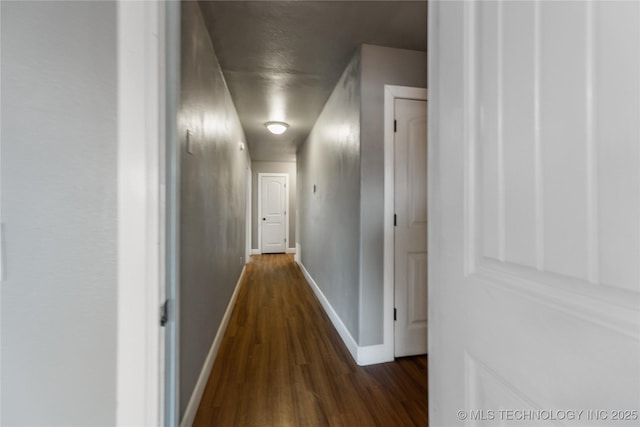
[534,213]
[410,200]
[273,213]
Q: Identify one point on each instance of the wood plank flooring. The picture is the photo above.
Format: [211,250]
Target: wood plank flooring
[281,363]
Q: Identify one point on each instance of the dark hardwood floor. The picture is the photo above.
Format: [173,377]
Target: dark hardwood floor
[281,363]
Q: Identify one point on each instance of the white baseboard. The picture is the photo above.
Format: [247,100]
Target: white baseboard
[259,252]
[351,344]
[198,391]
[363,355]
[372,354]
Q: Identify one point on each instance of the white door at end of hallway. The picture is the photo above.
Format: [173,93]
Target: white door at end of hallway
[273,213]
[410,243]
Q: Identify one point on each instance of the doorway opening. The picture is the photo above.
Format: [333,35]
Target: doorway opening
[405,218]
[273,223]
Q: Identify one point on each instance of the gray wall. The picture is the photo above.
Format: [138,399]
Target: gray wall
[329,220]
[380,66]
[273,167]
[59,171]
[212,199]
[344,254]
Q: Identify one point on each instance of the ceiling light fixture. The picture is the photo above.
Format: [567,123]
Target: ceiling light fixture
[277,127]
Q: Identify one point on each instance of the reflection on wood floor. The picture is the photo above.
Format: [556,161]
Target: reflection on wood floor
[281,363]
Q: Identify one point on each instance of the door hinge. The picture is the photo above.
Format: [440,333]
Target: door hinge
[395,220]
[164,313]
[395,314]
[395,126]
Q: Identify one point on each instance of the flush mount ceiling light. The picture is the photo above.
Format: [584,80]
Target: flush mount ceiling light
[277,127]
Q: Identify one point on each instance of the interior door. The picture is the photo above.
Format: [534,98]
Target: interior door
[410,240]
[534,213]
[273,203]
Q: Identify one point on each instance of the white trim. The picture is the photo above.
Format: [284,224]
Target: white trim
[348,340]
[171,243]
[363,355]
[391,93]
[434,37]
[141,90]
[248,250]
[198,391]
[291,250]
[261,175]
[2,252]
[298,256]
[372,354]
[255,252]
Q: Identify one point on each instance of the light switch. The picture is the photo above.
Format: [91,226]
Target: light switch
[189,142]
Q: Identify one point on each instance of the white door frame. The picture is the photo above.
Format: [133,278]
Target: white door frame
[286,204]
[141,234]
[170,352]
[391,93]
[248,217]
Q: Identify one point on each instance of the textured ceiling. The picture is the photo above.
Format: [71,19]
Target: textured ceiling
[281,59]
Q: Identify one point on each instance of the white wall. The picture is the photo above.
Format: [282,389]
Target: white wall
[273,167]
[59,183]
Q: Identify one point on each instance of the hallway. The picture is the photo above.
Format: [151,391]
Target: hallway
[281,363]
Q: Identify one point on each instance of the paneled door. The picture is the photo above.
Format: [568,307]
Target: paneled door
[410,233]
[273,212]
[534,213]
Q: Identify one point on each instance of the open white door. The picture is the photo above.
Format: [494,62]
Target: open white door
[410,237]
[534,209]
